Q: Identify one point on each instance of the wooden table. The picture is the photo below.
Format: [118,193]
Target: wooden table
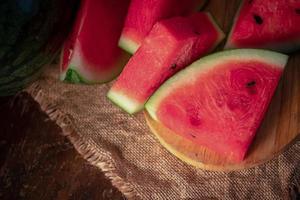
[37,162]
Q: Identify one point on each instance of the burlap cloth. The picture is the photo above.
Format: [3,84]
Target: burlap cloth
[125,150]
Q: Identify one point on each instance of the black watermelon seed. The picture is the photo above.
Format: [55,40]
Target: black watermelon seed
[251,83]
[297,10]
[196,32]
[258,19]
[192,135]
[173,66]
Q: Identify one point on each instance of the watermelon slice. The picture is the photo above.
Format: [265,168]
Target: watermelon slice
[143,14]
[171,45]
[219,101]
[91,53]
[268,24]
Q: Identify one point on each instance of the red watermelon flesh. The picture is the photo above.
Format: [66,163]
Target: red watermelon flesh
[269,24]
[91,53]
[171,45]
[143,14]
[219,101]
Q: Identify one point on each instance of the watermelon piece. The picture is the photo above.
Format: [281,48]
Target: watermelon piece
[91,53]
[143,14]
[272,24]
[171,45]
[219,101]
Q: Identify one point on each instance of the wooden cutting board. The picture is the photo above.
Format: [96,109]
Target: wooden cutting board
[280,128]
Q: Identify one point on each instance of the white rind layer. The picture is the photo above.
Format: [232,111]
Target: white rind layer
[128,44]
[128,104]
[214,60]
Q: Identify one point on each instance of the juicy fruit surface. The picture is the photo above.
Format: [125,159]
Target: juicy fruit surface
[92,50]
[184,40]
[143,14]
[221,106]
[267,24]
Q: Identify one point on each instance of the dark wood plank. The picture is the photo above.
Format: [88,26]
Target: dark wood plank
[36,162]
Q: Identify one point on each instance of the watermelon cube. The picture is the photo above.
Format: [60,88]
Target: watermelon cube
[171,45]
[143,14]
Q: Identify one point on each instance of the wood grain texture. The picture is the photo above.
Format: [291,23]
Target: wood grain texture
[38,163]
[280,127]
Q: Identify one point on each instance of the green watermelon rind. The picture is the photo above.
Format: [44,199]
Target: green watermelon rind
[126,103]
[207,63]
[75,72]
[72,76]
[128,45]
[286,47]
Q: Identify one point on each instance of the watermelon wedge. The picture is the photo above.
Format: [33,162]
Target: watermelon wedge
[143,14]
[219,101]
[91,53]
[171,45]
[268,24]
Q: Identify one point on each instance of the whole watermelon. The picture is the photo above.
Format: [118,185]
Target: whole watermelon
[31,34]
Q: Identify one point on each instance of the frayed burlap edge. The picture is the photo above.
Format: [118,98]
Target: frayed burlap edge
[89,153]
[96,158]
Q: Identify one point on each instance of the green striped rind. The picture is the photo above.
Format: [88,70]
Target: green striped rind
[191,73]
[73,77]
[123,101]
